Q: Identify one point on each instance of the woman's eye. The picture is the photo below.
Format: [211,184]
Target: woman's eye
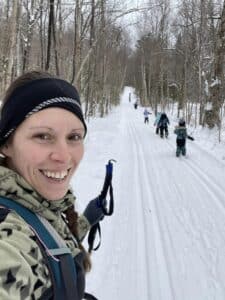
[43,136]
[76,137]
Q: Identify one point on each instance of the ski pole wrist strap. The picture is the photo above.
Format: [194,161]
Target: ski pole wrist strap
[107,188]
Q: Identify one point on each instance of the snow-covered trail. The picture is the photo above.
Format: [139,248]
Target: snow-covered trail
[166,239]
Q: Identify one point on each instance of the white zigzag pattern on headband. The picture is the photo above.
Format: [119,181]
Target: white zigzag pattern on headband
[9,132]
[51,101]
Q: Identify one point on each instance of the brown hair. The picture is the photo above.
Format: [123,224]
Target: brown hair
[71,215]
[71,218]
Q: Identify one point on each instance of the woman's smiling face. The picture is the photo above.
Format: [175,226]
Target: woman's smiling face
[46,149]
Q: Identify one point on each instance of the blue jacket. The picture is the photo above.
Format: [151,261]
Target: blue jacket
[157,119]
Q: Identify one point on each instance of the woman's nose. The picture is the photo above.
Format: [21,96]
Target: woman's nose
[61,152]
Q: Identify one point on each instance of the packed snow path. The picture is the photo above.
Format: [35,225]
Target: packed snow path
[166,239]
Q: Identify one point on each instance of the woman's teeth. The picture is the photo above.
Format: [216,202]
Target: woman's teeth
[56,175]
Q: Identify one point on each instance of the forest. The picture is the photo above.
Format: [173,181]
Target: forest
[171,52]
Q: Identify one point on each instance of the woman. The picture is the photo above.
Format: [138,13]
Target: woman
[42,129]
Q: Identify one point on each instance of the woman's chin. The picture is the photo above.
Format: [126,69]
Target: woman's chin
[53,196]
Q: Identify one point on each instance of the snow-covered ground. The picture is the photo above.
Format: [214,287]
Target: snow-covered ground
[166,239]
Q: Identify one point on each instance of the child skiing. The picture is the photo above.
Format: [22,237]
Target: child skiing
[181,132]
[163,125]
[156,123]
[135,104]
[146,113]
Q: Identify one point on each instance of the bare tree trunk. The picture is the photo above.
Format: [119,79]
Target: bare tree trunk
[143,76]
[32,17]
[7,9]
[50,32]
[55,45]
[161,76]
[77,46]
[89,94]
[12,43]
[103,61]
[41,35]
[61,63]
[18,45]
[217,89]
[201,40]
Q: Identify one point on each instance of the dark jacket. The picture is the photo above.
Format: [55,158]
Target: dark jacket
[163,121]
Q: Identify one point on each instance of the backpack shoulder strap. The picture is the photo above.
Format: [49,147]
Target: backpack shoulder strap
[59,259]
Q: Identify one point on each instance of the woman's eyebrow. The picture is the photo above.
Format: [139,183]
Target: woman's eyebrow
[51,129]
[41,127]
[77,129]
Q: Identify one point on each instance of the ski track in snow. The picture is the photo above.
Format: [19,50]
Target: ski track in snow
[207,181]
[166,239]
[144,184]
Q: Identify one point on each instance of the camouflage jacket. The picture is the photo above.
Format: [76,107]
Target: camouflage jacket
[24,274]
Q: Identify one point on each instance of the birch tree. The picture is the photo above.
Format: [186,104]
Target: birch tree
[13,20]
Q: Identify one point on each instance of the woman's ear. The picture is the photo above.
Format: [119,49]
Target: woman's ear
[5,150]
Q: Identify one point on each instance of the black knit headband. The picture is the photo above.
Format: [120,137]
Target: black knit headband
[35,96]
